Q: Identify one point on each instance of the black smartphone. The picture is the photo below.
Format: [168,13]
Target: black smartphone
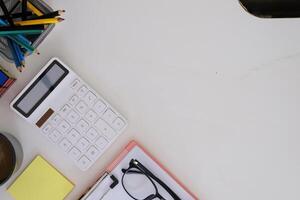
[272,8]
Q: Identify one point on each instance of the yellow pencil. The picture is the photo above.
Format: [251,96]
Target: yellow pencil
[39,21]
[34,9]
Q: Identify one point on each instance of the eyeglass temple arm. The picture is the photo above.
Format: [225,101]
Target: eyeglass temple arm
[151,197]
[131,171]
[169,190]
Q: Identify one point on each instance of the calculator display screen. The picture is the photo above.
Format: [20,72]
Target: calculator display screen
[40,89]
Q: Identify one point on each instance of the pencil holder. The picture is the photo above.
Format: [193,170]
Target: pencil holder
[35,39]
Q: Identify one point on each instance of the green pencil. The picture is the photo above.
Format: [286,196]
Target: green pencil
[22,43]
[23,32]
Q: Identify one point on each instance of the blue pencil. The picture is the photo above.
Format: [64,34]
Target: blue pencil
[19,53]
[14,54]
[24,39]
[20,39]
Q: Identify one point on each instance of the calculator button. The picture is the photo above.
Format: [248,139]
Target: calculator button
[91,116]
[101,142]
[63,126]
[82,126]
[65,144]
[90,98]
[109,116]
[83,163]
[65,110]
[54,136]
[105,129]
[56,119]
[118,124]
[74,99]
[100,106]
[82,91]
[81,107]
[92,153]
[47,129]
[73,136]
[75,153]
[73,117]
[92,134]
[82,144]
[75,84]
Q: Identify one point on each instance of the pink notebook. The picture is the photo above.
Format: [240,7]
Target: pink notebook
[109,186]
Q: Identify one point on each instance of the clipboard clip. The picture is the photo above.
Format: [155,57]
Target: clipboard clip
[115,181]
[105,184]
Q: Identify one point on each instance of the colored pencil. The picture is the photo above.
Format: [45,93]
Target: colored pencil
[17,32]
[16,15]
[19,53]
[34,9]
[15,56]
[20,39]
[18,28]
[17,22]
[39,21]
[21,42]
[24,9]
[6,13]
[50,15]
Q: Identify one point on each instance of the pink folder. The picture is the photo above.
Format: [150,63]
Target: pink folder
[133,148]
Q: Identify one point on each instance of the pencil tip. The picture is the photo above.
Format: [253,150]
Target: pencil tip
[60,19]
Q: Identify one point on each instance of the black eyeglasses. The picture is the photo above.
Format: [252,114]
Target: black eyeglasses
[140,183]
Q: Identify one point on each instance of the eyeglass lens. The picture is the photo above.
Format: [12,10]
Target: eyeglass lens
[138,185]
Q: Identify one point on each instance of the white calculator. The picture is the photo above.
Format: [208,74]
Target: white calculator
[69,113]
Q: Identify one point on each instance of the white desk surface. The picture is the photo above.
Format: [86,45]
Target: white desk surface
[211,91]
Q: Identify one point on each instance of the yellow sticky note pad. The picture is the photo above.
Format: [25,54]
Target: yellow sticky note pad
[40,181]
